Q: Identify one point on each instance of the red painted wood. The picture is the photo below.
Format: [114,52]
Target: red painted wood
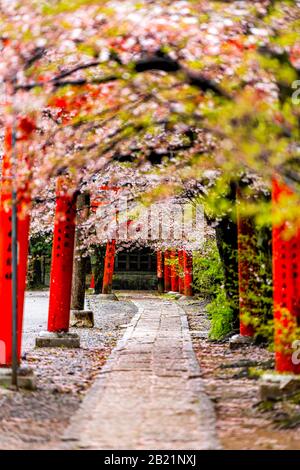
[160,267]
[160,271]
[62,257]
[286,287]
[167,271]
[23,221]
[188,273]
[181,271]
[109,264]
[174,272]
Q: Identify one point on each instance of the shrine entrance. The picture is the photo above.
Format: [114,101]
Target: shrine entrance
[135,270]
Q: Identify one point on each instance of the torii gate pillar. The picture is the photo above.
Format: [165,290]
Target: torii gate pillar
[181,271]
[167,271]
[174,272]
[188,273]
[61,271]
[23,221]
[109,264]
[286,289]
[160,272]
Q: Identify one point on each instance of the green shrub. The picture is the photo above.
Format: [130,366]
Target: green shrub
[207,270]
[221,315]
[209,283]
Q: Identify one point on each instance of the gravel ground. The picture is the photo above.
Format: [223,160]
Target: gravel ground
[37,420]
[230,377]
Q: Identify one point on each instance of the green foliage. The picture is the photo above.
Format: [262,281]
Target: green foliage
[257,307]
[209,282]
[207,270]
[39,259]
[63,6]
[221,315]
[40,245]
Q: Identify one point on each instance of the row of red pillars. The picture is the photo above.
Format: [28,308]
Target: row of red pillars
[286,265]
[175,271]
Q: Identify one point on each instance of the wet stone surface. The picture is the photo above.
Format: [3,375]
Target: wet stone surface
[150,395]
[36,420]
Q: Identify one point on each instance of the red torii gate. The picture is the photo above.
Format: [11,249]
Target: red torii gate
[286,286]
[24,128]
[167,271]
[63,248]
[188,273]
[109,261]
[174,271]
[286,281]
[285,264]
[177,278]
[181,282]
[62,257]
[109,267]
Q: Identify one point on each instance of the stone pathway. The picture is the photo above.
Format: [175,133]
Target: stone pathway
[150,394]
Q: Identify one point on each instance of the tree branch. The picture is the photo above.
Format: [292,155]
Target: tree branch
[63,83]
[162,62]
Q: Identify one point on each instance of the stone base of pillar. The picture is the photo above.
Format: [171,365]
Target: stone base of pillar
[274,386]
[82,319]
[239,341]
[107,297]
[47,339]
[26,378]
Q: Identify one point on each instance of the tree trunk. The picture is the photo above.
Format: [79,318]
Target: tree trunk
[160,272]
[227,243]
[99,253]
[80,259]
[37,272]
[109,267]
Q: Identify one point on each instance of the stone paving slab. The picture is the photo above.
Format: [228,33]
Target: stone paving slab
[150,394]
